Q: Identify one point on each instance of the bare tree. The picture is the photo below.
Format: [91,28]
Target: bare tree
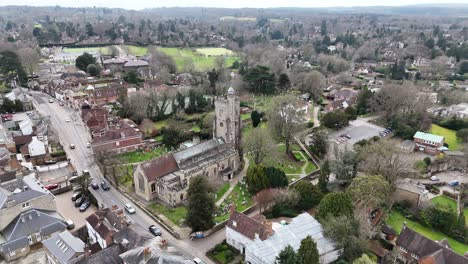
[265,198]
[284,119]
[258,143]
[29,58]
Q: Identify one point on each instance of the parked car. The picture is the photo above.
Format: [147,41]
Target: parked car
[52,186]
[85,205]
[88,145]
[454,183]
[72,146]
[94,185]
[105,186]
[61,103]
[79,201]
[51,100]
[154,230]
[69,223]
[198,261]
[85,172]
[76,196]
[129,208]
[435,178]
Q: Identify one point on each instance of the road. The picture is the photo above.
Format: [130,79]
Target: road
[82,158]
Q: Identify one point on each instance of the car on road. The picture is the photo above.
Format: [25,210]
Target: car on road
[88,145]
[454,183]
[154,230]
[67,120]
[105,186]
[76,196]
[198,261]
[72,146]
[61,103]
[94,185]
[85,205]
[51,100]
[69,223]
[435,178]
[346,136]
[130,208]
[52,186]
[79,201]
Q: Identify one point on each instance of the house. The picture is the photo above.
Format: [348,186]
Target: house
[429,143]
[242,230]
[414,247]
[26,126]
[103,224]
[119,137]
[407,146]
[36,148]
[265,251]
[95,120]
[408,191]
[167,177]
[63,248]
[141,67]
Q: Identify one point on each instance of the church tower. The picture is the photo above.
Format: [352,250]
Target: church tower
[227,118]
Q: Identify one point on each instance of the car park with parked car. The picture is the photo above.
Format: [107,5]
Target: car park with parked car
[85,205]
[52,186]
[79,201]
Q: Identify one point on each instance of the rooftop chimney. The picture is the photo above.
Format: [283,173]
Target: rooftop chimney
[269,227]
[232,208]
[147,253]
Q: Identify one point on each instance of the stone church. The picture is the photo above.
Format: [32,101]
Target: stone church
[167,178]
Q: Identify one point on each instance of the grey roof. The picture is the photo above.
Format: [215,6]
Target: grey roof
[136,63]
[64,246]
[135,235]
[137,256]
[196,150]
[300,227]
[25,196]
[109,255]
[32,221]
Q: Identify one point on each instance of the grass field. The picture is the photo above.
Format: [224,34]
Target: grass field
[449,135]
[283,161]
[176,215]
[396,221]
[102,50]
[141,156]
[222,190]
[442,199]
[215,52]
[183,57]
[136,50]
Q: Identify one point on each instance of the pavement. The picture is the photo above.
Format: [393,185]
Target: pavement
[82,158]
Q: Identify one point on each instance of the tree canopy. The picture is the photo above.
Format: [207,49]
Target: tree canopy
[201,204]
[84,60]
[334,205]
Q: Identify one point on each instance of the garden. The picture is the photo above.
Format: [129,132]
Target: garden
[442,199]
[239,196]
[223,253]
[294,164]
[141,155]
[176,215]
[449,135]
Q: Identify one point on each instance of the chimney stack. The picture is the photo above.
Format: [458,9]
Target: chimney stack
[269,227]
[232,208]
[147,253]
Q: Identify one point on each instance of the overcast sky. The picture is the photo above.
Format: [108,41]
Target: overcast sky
[140,4]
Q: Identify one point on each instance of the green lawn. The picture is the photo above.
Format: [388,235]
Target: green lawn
[245,116]
[141,156]
[102,50]
[136,50]
[3,87]
[310,167]
[176,215]
[449,135]
[125,173]
[215,51]
[158,125]
[442,199]
[280,159]
[222,190]
[240,196]
[396,221]
[196,128]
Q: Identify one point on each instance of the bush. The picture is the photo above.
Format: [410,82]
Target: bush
[229,255]
[427,160]
[218,248]
[58,154]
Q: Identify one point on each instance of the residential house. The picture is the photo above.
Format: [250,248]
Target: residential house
[95,120]
[123,136]
[429,143]
[341,99]
[416,248]
[36,148]
[104,224]
[141,67]
[265,251]
[63,248]
[26,126]
[409,191]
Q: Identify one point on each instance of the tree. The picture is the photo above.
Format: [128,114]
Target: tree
[92,70]
[287,256]
[256,118]
[308,252]
[345,165]
[276,177]
[84,60]
[335,120]
[398,70]
[369,191]
[29,59]
[463,67]
[256,179]
[283,82]
[284,119]
[258,143]
[463,134]
[172,137]
[260,81]
[201,204]
[213,76]
[364,259]
[323,28]
[319,143]
[11,67]
[89,29]
[180,98]
[157,104]
[131,77]
[363,101]
[309,193]
[324,177]
[351,113]
[310,82]
[441,217]
[265,198]
[334,205]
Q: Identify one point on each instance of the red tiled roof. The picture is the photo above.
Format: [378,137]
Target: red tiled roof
[21,140]
[247,226]
[159,167]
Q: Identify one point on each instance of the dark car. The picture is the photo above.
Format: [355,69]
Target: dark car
[105,186]
[154,230]
[52,186]
[76,196]
[85,205]
[94,185]
[79,201]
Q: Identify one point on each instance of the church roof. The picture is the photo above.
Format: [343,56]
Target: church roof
[159,167]
[197,150]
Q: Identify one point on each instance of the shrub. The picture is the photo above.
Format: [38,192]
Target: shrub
[229,255]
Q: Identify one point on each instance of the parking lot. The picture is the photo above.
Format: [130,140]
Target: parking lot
[357,130]
[66,207]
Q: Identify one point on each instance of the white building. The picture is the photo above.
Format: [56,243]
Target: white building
[26,126]
[36,147]
[265,251]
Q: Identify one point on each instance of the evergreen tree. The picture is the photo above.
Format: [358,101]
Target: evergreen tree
[84,60]
[334,205]
[324,176]
[363,101]
[310,195]
[308,252]
[287,256]
[323,28]
[256,179]
[260,80]
[256,118]
[283,82]
[11,67]
[276,177]
[201,204]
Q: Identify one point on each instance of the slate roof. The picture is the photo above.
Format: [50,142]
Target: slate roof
[64,246]
[106,222]
[25,196]
[159,167]
[427,250]
[35,221]
[109,255]
[428,137]
[156,256]
[135,235]
[197,150]
[247,226]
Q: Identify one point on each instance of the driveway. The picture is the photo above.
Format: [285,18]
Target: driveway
[66,208]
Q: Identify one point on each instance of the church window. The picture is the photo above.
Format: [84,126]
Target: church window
[161,189]
[141,183]
[153,187]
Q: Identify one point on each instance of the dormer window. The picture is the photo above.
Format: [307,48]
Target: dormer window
[25,205]
[234,223]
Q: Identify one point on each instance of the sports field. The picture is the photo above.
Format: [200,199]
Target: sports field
[102,50]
